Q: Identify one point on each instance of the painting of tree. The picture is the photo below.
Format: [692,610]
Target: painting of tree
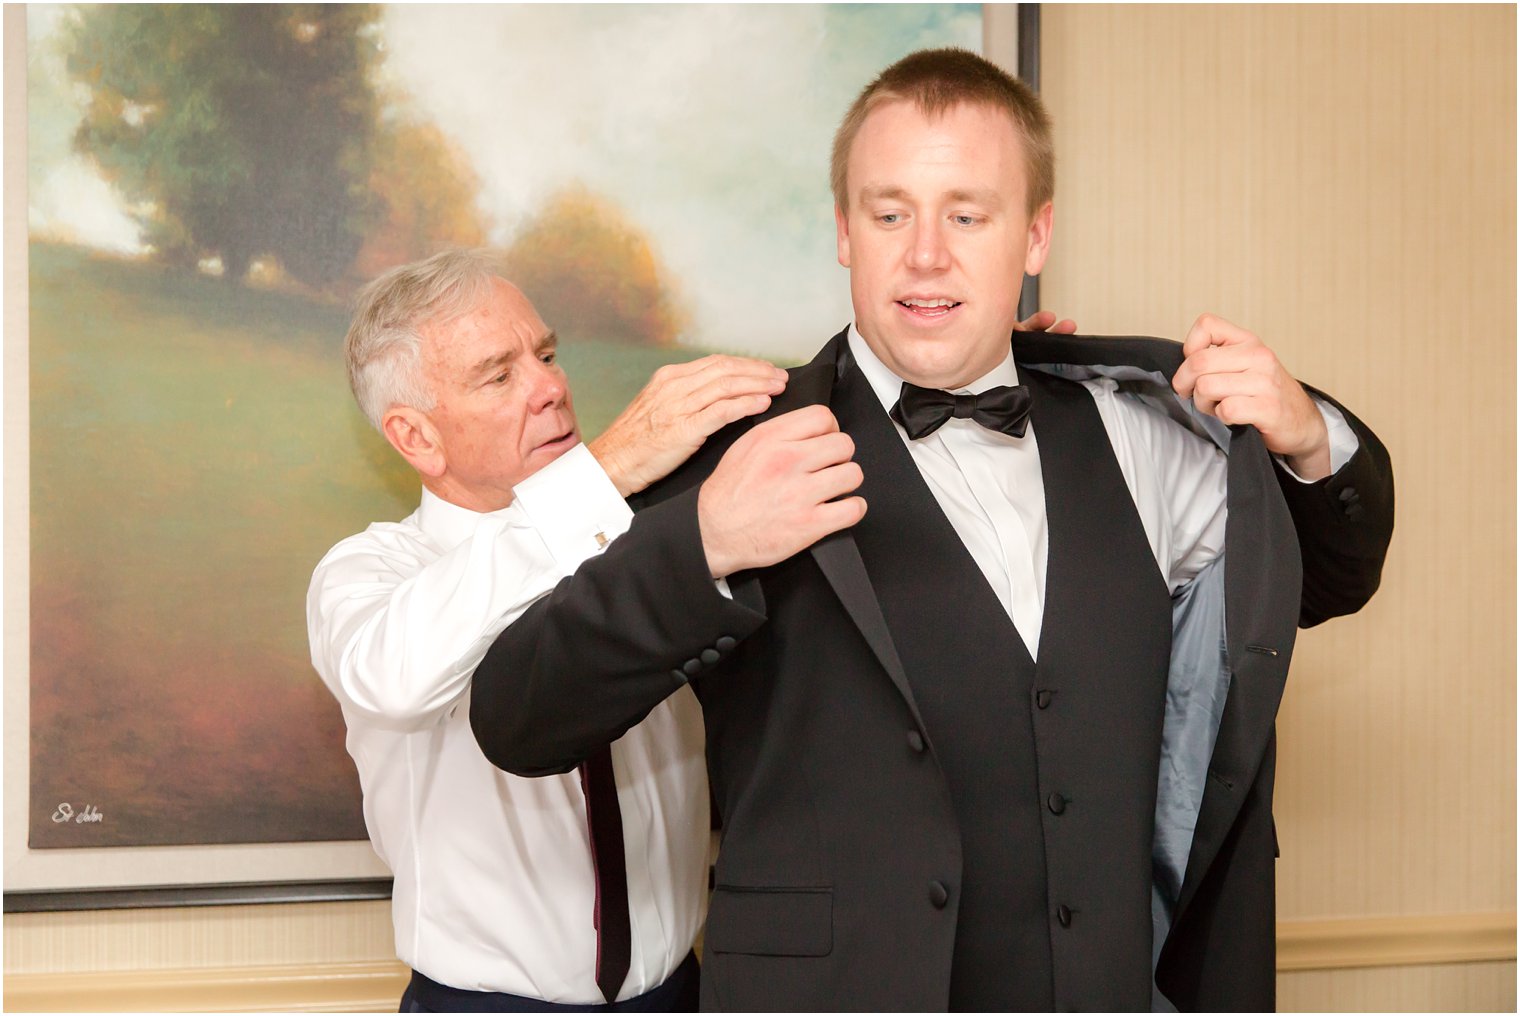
[239,130]
[207,186]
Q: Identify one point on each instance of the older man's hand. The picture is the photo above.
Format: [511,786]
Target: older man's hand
[683,405]
[1229,373]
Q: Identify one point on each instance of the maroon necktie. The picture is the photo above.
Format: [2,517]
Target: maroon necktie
[614,937]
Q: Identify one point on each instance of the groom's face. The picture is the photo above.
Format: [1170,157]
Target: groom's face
[938,238]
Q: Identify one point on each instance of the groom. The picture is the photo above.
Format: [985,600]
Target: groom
[1006,743]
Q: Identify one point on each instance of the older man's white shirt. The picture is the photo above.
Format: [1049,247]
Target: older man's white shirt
[494,887]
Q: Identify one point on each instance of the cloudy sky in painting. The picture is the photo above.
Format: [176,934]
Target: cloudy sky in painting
[708,125]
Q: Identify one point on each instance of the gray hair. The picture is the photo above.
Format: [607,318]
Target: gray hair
[383,348]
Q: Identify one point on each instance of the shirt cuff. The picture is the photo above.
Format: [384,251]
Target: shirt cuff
[574,507]
[1343,441]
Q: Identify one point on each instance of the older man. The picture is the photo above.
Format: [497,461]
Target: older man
[1008,742]
[585,890]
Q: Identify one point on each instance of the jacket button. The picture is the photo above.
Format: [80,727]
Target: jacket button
[938,895]
[915,740]
[692,667]
[1057,803]
[1063,914]
[725,643]
[1042,699]
[1354,510]
[711,656]
[1347,494]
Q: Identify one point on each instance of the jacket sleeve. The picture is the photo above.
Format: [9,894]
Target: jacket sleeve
[1344,524]
[613,640]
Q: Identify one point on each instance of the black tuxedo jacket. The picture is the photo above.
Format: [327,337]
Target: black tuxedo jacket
[839,834]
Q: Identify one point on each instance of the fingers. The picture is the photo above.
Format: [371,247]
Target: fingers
[832,516]
[1044,320]
[1212,360]
[1036,322]
[803,441]
[834,481]
[1233,358]
[774,491]
[841,514]
[704,369]
[809,421]
[682,405]
[823,451]
[1215,388]
[698,398]
[686,388]
[1209,330]
[719,387]
[707,422]
[1240,409]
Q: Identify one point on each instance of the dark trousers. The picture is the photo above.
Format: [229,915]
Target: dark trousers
[679,993]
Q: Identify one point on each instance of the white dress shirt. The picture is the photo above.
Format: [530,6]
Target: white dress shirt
[990,486]
[494,888]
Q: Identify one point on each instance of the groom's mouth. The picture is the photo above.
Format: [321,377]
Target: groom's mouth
[928,308]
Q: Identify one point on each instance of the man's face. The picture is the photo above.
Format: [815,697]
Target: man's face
[937,239]
[503,407]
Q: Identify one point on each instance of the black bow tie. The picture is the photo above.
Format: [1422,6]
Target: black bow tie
[922,411]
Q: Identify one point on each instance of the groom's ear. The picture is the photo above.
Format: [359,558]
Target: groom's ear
[1040,228]
[842,235]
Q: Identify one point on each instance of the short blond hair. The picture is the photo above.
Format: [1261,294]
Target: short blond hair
[936,80]
[383,348]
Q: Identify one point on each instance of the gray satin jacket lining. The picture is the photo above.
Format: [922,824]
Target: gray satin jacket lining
[1199,676]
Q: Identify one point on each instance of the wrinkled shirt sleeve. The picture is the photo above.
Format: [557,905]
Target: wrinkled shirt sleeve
[398,623]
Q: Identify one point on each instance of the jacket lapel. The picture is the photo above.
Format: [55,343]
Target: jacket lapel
[837,555]
[1263,568]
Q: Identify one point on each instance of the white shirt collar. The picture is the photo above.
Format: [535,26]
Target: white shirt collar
[888,386]
[449,525]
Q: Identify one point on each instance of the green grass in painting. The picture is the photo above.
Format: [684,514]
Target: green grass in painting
[194,452]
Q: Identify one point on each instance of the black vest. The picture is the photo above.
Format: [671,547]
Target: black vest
[1052,766]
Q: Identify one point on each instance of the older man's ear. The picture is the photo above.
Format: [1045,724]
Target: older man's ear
[413,435]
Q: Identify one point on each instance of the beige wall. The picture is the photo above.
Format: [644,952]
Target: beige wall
[1342,181]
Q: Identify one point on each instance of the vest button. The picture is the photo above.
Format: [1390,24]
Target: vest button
[725,643]
[692,667]
[1042,699]
[938,895]
[710,656]
[1063,914]
[1056,803]
[915,740]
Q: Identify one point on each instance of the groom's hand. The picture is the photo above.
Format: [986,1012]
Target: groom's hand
[774,492]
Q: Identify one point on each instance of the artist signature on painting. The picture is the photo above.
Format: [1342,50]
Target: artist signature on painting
[66,813]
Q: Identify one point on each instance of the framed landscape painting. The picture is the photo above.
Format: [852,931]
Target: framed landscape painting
[205,187]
